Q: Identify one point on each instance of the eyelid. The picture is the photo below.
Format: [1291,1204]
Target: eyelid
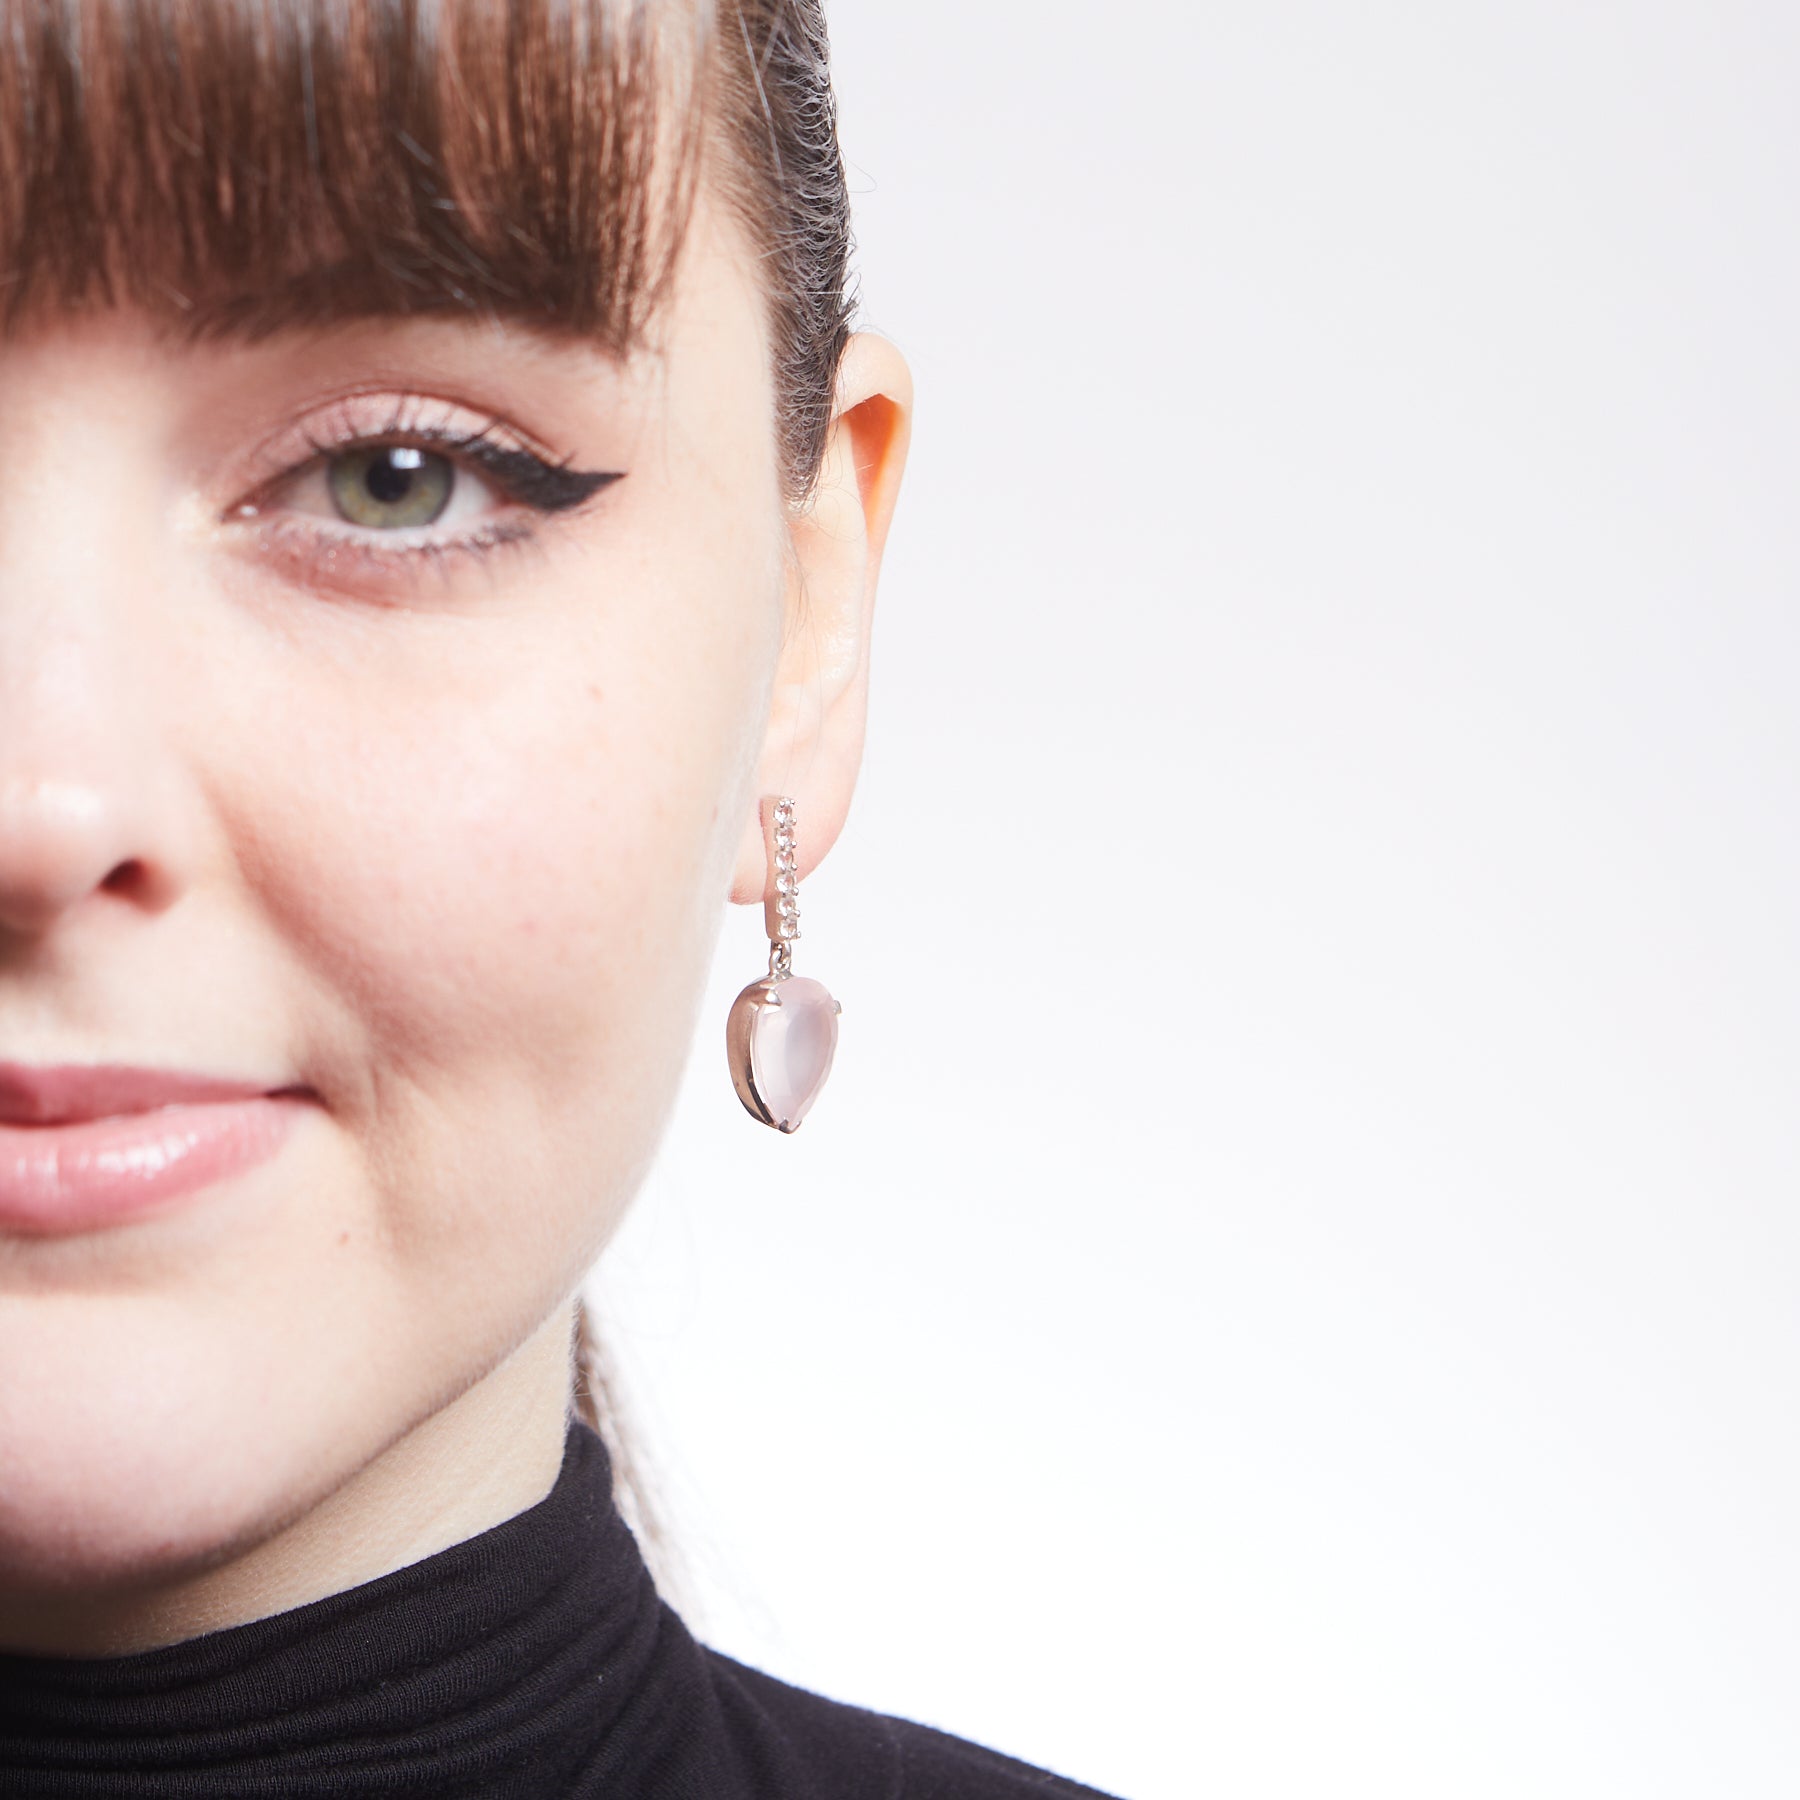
[362,414]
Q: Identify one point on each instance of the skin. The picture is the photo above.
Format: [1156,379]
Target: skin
[446,847]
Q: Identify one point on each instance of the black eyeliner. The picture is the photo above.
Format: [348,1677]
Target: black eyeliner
[549,487]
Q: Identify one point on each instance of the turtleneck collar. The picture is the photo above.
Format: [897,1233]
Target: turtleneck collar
[535,1661]
[497,1666]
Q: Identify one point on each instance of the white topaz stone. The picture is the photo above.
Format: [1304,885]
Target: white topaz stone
[791,1047]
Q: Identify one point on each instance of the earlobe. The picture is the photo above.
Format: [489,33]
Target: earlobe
[818,711]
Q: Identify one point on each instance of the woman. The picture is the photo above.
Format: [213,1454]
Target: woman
[445,507]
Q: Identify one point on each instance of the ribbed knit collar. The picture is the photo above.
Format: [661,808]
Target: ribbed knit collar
[512,1663]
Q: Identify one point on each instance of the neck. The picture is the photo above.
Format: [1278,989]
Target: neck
[486,1457]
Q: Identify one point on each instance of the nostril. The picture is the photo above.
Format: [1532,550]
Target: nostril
[140,883]
[129,880]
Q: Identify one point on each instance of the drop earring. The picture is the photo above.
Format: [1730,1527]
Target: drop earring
[782,1031]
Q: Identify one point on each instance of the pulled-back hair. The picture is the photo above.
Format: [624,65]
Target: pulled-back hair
[234,167]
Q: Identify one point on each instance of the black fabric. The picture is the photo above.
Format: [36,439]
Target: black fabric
[533,1660]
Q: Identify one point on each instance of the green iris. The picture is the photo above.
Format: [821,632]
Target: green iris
[391,485]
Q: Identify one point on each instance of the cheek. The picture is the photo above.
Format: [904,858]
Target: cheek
[496,871]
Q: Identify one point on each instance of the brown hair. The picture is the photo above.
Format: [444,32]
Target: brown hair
[234,167]
[239,167]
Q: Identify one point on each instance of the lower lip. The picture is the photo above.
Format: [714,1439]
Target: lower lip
[59,1179]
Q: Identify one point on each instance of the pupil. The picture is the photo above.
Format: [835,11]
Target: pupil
[390,478]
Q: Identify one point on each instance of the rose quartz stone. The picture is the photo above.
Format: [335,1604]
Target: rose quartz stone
[791,1047]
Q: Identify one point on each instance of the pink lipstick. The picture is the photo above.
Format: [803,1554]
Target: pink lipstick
[87,1146]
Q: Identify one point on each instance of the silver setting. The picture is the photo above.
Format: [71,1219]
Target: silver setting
[781,908]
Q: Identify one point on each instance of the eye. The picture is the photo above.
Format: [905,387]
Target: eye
[390,485]
[378,495]
[385,486]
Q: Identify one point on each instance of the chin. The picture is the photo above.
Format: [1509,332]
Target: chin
[127,1465]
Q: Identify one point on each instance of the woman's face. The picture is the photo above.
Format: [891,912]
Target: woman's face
[302,787]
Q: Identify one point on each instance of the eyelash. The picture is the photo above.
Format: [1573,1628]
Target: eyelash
[520,475]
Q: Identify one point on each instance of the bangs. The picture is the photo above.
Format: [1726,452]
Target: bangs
[240,167]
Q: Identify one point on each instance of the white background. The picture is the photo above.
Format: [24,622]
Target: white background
[1292,1288]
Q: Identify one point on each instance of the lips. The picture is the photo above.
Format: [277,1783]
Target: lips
[83,1147]
[73,1092]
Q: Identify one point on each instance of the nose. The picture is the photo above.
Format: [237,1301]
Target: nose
[59,843]
[80,819]
[93,670]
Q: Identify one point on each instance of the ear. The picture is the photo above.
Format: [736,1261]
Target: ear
[819,708]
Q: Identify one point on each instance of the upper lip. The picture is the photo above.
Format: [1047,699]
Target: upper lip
[67,1093]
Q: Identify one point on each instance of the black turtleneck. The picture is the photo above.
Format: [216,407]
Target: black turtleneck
[532,1661]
